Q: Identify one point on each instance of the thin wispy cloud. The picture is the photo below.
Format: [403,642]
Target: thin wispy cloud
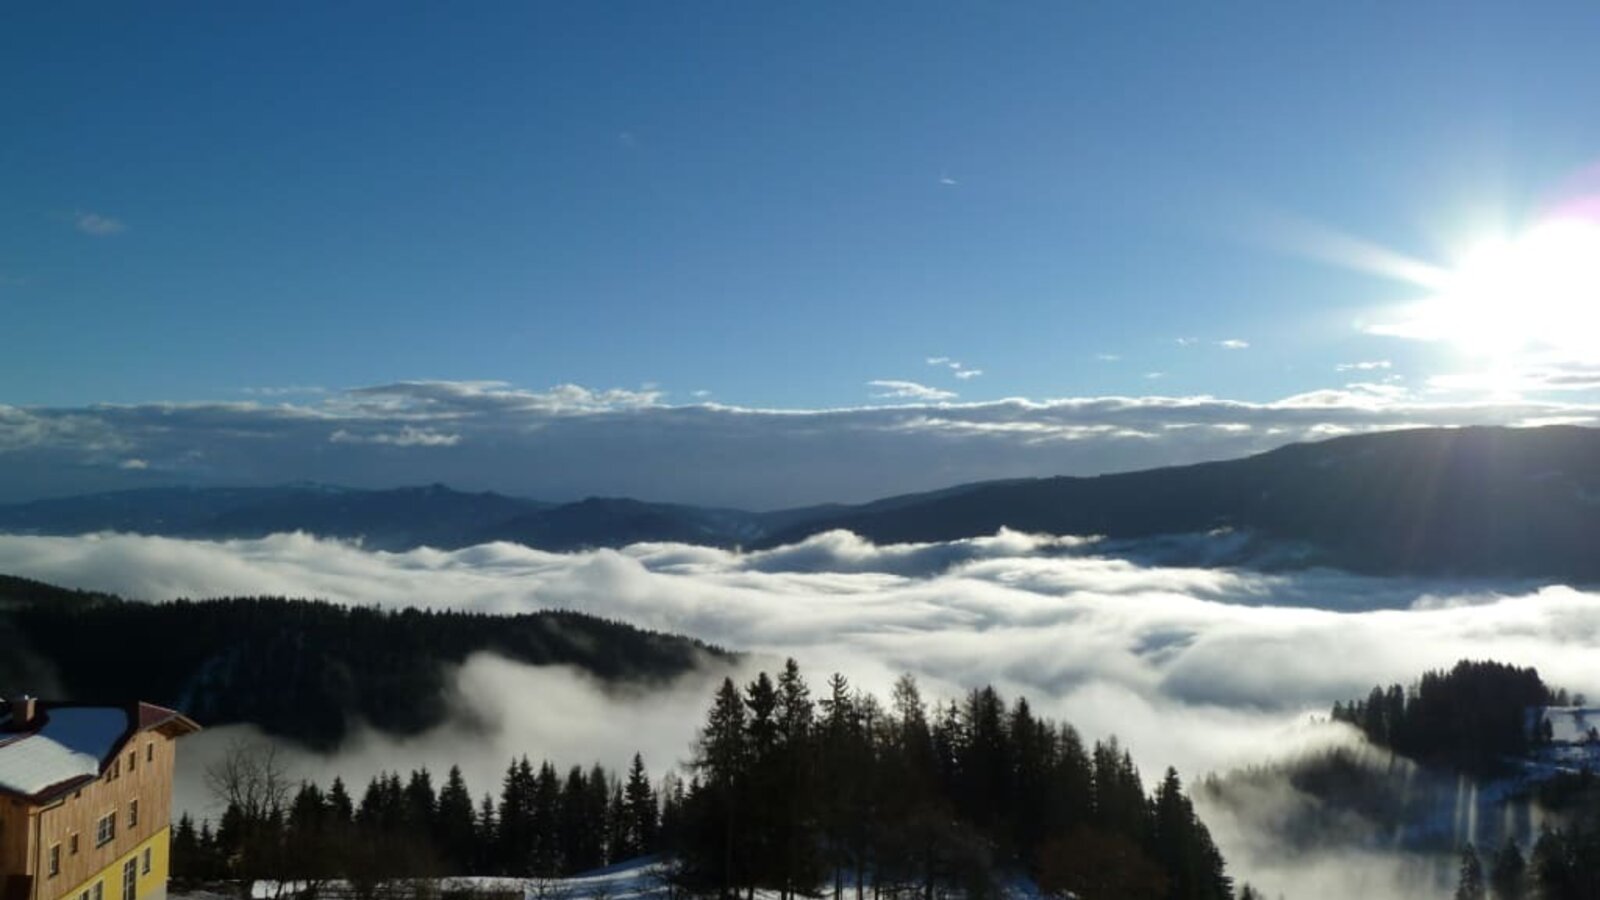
[887,389]
[959,369]
[97,224]
[1364,366]
[405,437]
[1186,341]
[1108,357]
[292,390]
[1233,344]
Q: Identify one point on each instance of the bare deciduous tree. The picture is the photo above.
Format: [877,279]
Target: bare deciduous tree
[250,776]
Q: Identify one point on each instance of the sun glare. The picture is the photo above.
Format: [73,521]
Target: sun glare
[1539,291]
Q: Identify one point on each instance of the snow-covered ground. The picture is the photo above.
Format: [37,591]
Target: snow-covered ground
[1574,739]
[636,879]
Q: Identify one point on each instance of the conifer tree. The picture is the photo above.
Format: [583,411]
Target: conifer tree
[640,809]
[456,828]
[1471,885]
[1508,880]
[487,855]
[545,822]
[619,842]
[583,846]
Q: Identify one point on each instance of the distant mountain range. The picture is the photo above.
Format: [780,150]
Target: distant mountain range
[1470,501]
[395,519]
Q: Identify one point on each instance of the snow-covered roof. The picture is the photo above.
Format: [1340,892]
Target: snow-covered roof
[35,763]
[67,743]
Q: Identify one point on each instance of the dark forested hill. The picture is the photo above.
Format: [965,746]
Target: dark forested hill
[1471,501]
[298,668]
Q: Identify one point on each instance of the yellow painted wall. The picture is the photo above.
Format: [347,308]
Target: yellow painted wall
[151,884]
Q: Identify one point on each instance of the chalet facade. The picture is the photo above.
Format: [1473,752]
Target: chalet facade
[86,800]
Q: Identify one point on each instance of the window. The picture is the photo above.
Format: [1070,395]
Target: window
[133,814]
[99,891]
[133,760]
[105,830]
[130,879]
[55,860]
[144,862]
[72,844]
[150,751]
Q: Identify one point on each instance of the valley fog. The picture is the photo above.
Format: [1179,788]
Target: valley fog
[1202,669]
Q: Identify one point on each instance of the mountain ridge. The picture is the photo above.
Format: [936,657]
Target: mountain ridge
[1459,501]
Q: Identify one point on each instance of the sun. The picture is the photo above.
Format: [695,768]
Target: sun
[1538,291]
[1535,293]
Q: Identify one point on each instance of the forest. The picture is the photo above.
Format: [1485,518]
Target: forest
[299,669]
[1563,865]
[785,792]
[1473,718]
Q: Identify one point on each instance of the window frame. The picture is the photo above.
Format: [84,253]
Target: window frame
[105,829]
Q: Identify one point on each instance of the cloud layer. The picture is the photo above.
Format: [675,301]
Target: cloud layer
[570,441]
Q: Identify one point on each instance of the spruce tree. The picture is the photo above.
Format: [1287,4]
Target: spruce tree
[641,810]
[1470,885]
[456,828]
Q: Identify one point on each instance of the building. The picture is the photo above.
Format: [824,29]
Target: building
[86,799]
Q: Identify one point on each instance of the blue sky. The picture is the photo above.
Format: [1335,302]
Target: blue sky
[775,204]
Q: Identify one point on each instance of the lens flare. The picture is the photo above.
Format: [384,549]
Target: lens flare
[1536,292]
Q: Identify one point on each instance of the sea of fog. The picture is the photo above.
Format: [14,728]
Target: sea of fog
[1204,669]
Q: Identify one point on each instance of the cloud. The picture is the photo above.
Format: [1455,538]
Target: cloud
[570,441]
[959,369]
[1186,341]
[133,464]
[435,398]
[1233,344]
[908,390]
[98,225]
[1205,669]
[284,391]
[1107,357]
[1366,366]
[405,437]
